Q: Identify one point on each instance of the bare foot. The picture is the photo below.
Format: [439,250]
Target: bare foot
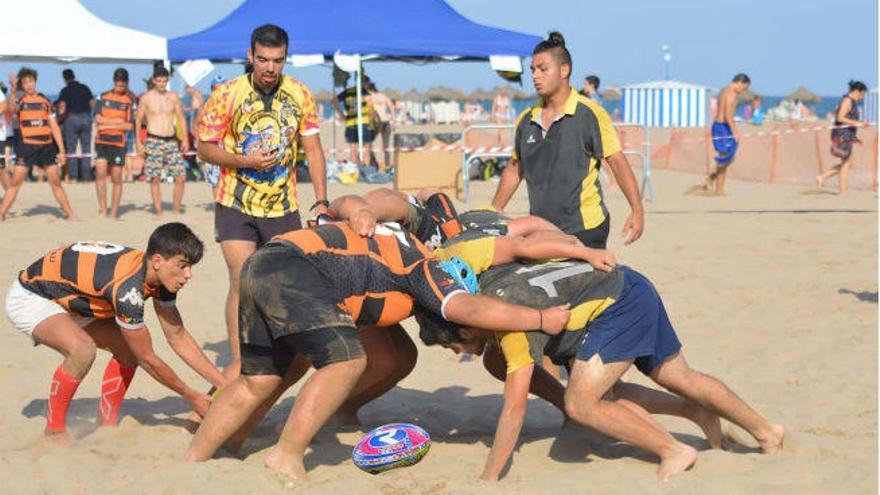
[159,215]
[60,438]
[771,443]
[818,184]
[287,465]
[73,218]
[711,426]
[682,459]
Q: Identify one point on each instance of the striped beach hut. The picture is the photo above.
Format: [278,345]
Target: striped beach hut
[869,113]
[665,104]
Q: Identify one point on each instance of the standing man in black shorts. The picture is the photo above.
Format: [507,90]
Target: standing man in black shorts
[559,145]
[114,118]
[40,145]
[259,119]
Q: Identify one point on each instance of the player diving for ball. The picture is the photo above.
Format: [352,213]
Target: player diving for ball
[305,292]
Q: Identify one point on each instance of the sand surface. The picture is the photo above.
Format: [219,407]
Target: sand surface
[771,289]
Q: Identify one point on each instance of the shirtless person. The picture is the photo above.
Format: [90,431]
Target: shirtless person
[723,136]
[162,155]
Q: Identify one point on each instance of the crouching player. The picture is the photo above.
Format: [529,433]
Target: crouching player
[305,292]
[617,320]
[91,295]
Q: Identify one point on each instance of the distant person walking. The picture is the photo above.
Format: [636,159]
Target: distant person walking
[723,135]
[41,144]
[346,104]
[502,107]
[114,119]
[76,105]
[843,135]
[591,88]
[383,120]
[162,109]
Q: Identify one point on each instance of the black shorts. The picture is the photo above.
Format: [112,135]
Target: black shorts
[233,225]
[287,306]
[351,134]
[3,146]
[114,155]
[40,155]
[597,237]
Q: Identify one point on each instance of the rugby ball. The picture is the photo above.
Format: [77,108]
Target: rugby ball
[391,446]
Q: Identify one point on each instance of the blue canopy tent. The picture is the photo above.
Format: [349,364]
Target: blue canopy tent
[405,30]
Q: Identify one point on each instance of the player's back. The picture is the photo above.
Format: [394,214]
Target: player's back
[84,277]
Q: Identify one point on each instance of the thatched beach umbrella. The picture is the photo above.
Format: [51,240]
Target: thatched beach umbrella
[804,95]
[481,94]
[324,95]
[745,96]
[443,93]
[393,93]
[412,95]
[610,94]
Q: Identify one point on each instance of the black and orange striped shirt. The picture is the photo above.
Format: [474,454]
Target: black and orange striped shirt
[96,280]
[113,105]
[380,279]
[33,119]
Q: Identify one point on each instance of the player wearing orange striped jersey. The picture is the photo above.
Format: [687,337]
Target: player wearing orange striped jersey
[91,295]
[41,144]
[113,118]
[305,292]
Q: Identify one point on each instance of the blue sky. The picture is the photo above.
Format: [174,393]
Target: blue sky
[781,44]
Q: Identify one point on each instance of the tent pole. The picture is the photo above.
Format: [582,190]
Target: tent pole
[359,114]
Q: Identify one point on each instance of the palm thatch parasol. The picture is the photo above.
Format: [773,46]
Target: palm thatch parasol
[324,95]
[804,95]
[747,95]
[611,94]
[443,93]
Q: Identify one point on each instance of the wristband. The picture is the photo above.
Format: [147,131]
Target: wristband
[320,202]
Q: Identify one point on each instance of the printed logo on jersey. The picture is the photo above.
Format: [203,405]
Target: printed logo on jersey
[133,297]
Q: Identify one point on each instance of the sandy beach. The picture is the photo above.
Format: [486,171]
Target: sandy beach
[772,289]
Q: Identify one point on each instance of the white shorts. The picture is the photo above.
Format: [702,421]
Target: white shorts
[26,310]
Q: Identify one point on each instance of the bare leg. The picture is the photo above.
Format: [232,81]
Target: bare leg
[101,185]
[156,193]
[179,185]
[235,253]
[353,150]
[676,376]
[719,180]
[584,403]
[391,356]
[19,174]
[229,411]
[52,173]
[4,176]
[821,178]
[116,178]
[297,370]
[321,395]
[660,402]
[844,173]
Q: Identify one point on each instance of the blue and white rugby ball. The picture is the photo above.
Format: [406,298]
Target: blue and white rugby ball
[391,446]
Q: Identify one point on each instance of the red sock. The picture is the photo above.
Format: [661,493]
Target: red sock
[117,378]
[60,395]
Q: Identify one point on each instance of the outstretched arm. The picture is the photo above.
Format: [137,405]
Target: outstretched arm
[508,250]
[185,346]
[488,313]
[516,397]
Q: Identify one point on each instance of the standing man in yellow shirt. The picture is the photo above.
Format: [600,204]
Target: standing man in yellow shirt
[558,147]
[258,119]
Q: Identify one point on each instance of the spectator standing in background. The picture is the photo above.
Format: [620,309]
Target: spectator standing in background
[75,107]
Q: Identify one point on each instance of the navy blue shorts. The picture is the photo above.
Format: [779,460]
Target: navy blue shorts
[634,327]
[351,134]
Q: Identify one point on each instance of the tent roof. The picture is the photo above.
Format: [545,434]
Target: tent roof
[76,35]
[663,85]
[390,29]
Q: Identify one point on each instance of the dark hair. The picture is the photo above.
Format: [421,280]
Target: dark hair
[120,75]
[434,329]
[269,35]
[555,44]
[27,72]
[248,67]
[67,74]
[175,238]
[594,80]
[160,71]
[857,86]
[3,88]
[742,78]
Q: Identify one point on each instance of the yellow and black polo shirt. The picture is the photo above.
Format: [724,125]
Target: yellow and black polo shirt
[561,163]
